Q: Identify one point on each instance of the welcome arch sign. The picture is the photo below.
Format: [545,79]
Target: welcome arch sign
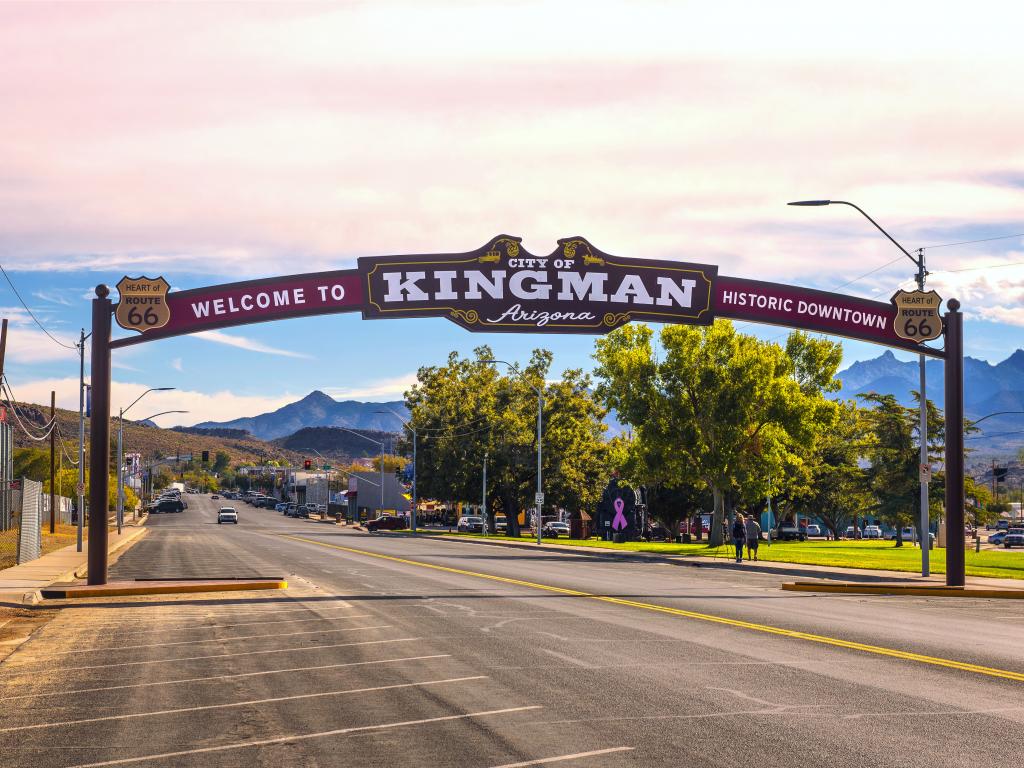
[502,288]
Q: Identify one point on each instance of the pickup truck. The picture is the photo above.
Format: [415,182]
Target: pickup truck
[789,532]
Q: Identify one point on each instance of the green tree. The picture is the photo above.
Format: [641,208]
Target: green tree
[729,408]
[467,410]
[832,485]
[221,461]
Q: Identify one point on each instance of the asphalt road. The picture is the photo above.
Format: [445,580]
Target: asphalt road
[390,650]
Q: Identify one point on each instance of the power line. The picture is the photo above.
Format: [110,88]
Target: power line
[990,266]
[36,319]
[971,242]
[14,409]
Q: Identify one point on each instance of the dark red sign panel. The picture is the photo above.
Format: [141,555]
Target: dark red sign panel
[503,288]
[257,301]
[811,310]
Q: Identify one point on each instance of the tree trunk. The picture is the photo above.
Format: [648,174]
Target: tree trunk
[511,514]
[899,536]
[715,535]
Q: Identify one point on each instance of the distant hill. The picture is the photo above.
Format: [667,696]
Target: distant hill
[234,434]
[143,438]
[317,410]
[337,443]
[987,389]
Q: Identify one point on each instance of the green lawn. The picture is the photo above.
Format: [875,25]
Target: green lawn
[880,555]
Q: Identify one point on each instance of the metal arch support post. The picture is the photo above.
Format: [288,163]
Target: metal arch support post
[955,569]
[99,433]
[924,524]
[540,485]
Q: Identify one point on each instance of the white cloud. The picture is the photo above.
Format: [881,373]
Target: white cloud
[176,365]
[242,342]
[201,406]
[382,389]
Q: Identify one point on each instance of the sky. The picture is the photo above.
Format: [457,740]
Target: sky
[213,142]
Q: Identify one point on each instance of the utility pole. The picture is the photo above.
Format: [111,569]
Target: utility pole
[81,436]
[53,460]
[483,503]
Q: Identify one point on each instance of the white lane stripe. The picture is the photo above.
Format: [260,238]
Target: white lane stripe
[218,640]
[219,626]
[303,737]
[303,649]
[232,705]
[560,758]
[147,621]
[224,677]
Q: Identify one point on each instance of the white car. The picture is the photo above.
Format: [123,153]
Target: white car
[872,532]
[814,530]
[227,515]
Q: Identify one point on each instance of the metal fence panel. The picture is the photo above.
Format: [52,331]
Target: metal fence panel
[30,538]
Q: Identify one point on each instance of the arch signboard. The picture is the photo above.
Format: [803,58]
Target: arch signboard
[502,288]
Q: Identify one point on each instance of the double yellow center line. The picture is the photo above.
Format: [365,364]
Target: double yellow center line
[748,625]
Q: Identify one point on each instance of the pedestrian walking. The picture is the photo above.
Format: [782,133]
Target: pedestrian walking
[739,536]
[753,531]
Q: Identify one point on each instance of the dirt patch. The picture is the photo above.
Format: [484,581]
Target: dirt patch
[19,624]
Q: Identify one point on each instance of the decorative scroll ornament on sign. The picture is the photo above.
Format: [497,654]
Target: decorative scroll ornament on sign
[917,315]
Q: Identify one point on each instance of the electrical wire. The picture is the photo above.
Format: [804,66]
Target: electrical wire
[970,242]
[30,314]
[17,418]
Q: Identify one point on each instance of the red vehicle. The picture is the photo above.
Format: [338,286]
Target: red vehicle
[387,523]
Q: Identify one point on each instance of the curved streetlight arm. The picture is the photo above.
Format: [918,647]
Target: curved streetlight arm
[516,371]
[359,434]
[919,263]
[162,413]
[151,389]
[990,415]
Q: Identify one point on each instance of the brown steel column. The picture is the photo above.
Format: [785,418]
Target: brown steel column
[99,437]
[955,570]
[53,456]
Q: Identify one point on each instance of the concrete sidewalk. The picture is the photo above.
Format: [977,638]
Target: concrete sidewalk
[784,570]
[21,584]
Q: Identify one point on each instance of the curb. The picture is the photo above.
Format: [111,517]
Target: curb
[904,589]
[133,588]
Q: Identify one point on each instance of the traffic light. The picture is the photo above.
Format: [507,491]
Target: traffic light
[307,464]
[206,457]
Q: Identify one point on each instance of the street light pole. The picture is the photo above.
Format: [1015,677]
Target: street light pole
[81,437]
[380,510]
[415,473]
[923,537]
[540,410]
[120,459]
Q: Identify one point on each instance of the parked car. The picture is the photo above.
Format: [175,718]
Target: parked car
[268,502]
[997,537]
[166,506]
[1014,538]
[471,524]
[227,515]
[387,523]
[500,525]
[813,530]
[281,506]
[555,529]
[789,532]
[851,533]
[1002,525]
[872,532]
[289,509]
[214,496]
[658,533]
[301,511]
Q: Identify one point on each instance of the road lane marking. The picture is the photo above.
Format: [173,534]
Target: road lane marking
[217,640]
[562,758]
[305,736]
[225,677]
[302,649]
[141,626]
[233,704]
[739,624]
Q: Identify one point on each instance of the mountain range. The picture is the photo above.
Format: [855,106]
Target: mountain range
[318,409]
[988,389]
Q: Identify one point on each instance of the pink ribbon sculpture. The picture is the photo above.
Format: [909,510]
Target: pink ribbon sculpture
[620,521]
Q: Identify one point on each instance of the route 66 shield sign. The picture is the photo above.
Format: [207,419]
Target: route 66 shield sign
[142,305]
[917,315]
